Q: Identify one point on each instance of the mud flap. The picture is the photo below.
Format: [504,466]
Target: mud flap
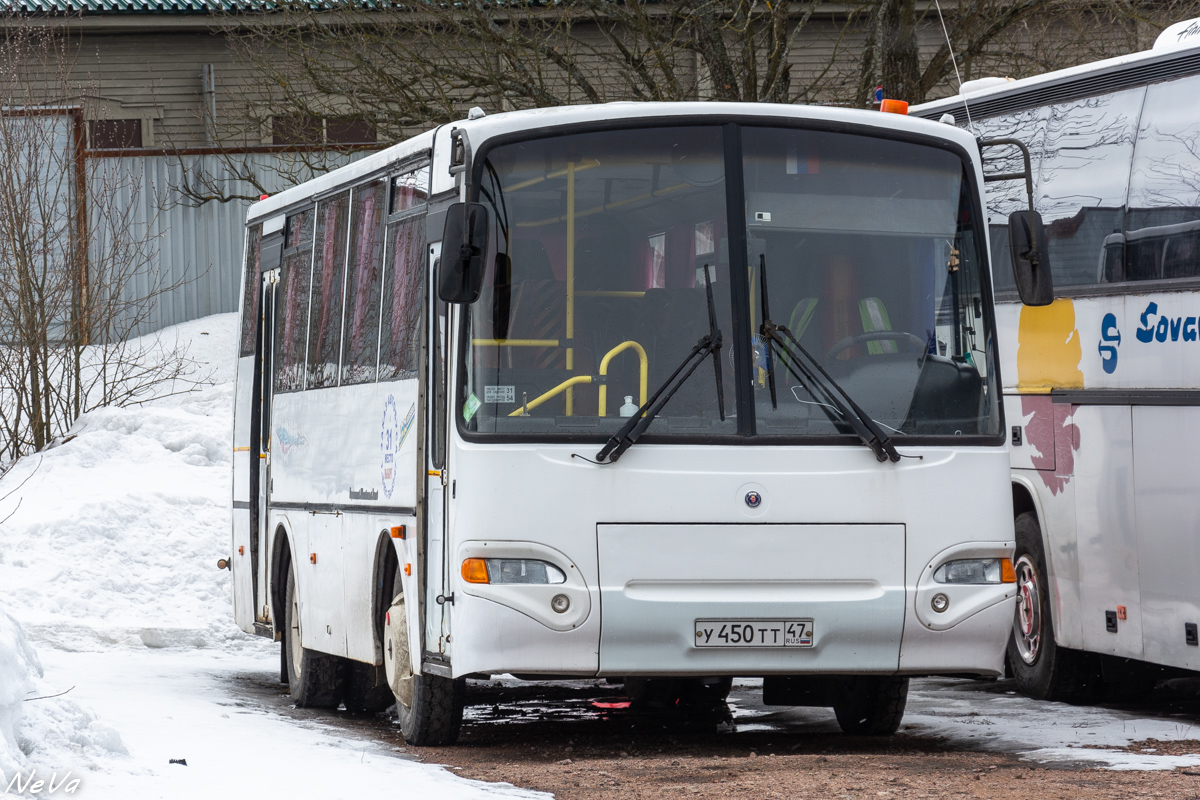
[396,661]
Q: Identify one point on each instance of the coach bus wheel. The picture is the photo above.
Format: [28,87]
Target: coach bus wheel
[870,705]
[1042,669]
[367,686]
[429,707]
[313,679]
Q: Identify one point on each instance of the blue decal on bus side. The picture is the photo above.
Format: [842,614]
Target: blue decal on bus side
[1108,352]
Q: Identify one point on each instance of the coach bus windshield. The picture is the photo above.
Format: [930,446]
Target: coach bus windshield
[603,243]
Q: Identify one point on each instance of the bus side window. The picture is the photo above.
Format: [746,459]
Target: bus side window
[361,339]
[403,299]
[325,311]
[250,291]
[1083,179]
[1164,186]
[291,302]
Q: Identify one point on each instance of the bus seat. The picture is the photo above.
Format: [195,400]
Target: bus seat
[875,318]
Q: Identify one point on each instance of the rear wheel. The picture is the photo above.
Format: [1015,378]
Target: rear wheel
[870,705]
[1041,668]
[313,678]
[429,707]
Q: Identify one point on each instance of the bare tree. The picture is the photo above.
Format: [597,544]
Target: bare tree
[397,69]
[76,268]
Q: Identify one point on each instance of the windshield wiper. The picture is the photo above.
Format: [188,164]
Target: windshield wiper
[793,355]
[709,344]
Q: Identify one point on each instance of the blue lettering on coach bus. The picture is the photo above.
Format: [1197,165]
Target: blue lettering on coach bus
[1108,352]
[1173,328]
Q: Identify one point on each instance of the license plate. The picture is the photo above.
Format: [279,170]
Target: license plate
[754,633]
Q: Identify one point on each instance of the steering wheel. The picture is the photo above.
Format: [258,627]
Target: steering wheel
[874,336]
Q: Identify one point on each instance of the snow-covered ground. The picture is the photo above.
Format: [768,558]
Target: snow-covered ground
[108,562]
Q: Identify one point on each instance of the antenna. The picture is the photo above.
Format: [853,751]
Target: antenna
[954,62]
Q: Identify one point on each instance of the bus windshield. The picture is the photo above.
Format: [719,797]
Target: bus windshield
[602,244]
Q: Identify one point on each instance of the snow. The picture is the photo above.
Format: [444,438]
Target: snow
[110,543]
[992,716]
[988,716]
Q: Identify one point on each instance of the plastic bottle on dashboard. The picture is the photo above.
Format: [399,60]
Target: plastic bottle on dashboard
[630,408]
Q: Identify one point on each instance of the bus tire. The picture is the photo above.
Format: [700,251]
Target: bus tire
[367,689]
[1041,668]
[429,707]
[871,705]
[435,716]
[313,677]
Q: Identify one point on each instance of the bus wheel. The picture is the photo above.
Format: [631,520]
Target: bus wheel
[368,688]
[870,705]
[429,707]
[313,679]
[1042,669]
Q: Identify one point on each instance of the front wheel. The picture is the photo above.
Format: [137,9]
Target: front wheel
[430,708]
[1042,669]
[871,705]
[314,680]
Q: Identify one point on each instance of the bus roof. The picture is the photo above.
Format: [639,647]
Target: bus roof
[1172,56]
[487,127]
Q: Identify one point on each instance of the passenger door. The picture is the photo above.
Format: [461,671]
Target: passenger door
[437,618]
[260,424]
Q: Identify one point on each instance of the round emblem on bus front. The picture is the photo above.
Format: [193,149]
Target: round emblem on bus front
[753,499]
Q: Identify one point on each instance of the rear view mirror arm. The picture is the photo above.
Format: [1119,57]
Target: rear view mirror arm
[1027,176]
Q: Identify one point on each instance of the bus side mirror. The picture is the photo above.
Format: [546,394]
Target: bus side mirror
[464,243]
[1030,258]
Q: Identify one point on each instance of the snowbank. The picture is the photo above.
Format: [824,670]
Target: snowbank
[118,531]
[38,731]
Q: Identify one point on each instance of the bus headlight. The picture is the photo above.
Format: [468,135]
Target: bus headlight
[511,570]
[976,571]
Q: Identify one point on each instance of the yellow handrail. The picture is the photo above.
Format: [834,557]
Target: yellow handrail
[557,390]
[609,356]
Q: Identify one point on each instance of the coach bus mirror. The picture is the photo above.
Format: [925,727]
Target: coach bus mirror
[1030,258]
[464,243]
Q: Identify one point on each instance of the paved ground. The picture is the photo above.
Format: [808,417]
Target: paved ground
[960,739]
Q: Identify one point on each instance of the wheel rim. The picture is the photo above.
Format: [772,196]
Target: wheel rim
[1027,626]
[294,637]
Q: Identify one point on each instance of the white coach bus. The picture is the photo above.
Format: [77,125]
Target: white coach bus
[668,393]
[1102,388]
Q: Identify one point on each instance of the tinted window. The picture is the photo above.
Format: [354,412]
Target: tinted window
[409,190]
[1162,228]
[596,247]
[1086,155]
[251,290]
[869,250]
[361,340]
[1081,153]
[292,300]
[402,298]
[325,311]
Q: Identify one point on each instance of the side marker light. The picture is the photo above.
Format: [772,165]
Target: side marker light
[1008,573]
[408,569]
[312,558]
[399,532]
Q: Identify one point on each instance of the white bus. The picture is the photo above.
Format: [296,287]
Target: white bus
[666,393]
[1102,388]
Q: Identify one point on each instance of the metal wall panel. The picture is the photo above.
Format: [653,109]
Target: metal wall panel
[193,250]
